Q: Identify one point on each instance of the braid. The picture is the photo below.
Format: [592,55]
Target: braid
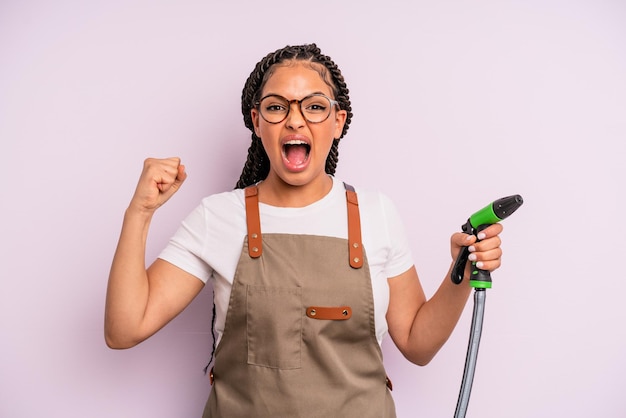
[257,164]
[333,158]
[340,88]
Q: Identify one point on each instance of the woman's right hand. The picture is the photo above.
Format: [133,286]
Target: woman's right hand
[159,180]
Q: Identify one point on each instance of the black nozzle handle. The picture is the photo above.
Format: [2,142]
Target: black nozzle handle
[479,279]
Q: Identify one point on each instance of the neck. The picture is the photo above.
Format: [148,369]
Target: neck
[276,192]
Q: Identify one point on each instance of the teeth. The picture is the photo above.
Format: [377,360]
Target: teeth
[296,142]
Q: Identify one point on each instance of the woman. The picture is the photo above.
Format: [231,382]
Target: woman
[308,275]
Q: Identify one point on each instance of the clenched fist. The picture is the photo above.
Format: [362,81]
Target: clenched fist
[160,179]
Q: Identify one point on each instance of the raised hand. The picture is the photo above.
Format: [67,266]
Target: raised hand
[159,180]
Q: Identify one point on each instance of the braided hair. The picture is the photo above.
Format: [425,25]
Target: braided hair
[257,165]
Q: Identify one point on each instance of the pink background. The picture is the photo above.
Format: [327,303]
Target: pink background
[456,104]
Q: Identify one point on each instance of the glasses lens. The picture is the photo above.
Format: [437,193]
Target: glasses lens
[316,108]
[274,108]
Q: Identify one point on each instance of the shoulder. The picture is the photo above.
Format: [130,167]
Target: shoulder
[228,198]
[224,202]
[379,214]
[374,200]
[220,208]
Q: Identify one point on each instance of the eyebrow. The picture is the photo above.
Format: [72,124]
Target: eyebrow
[280,95]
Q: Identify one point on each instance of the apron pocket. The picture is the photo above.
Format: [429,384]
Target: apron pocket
[274,326]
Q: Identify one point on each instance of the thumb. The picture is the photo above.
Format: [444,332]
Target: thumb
[459,240]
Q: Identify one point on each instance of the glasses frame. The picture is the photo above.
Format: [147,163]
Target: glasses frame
[332,102]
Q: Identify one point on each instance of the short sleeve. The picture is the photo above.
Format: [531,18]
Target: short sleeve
[185,248]
[400,258]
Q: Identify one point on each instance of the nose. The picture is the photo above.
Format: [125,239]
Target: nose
[295,118]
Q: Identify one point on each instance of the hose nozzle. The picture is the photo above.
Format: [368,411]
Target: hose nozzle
[492,213]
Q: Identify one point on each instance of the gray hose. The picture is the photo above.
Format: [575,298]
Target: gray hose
[472,353]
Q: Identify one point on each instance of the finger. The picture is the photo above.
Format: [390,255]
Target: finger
[162,163]
[182,174]
[157,178]
[166,168]
[166,181]
[173,181]
[490,260]
[486,244]
[170,165]
[490,231]
[162,171]
[460,239]
[489,265]
[486,256]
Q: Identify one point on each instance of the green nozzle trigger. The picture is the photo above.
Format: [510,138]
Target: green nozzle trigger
[490,214]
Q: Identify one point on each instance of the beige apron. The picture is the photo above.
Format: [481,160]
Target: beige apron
[299,338]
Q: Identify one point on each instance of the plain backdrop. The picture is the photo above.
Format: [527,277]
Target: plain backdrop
[456,103]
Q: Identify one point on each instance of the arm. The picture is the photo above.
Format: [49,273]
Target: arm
[141,301]
[420,327]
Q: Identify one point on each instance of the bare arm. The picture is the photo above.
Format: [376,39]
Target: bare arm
[141,301]
[420,327]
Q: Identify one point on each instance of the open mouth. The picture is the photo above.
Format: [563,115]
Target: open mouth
[296,152]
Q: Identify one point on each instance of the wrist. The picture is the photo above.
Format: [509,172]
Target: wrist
[138,218]
[136,211]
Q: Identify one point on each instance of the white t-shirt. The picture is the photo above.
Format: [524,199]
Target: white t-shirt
[208,243]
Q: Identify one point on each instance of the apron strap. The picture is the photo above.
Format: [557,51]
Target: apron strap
[253,220]
[355,246]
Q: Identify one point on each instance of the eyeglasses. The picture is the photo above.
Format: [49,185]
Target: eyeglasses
[315,107]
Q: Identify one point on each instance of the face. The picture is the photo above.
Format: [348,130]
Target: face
[297,149]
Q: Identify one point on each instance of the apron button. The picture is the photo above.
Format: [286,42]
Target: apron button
[312,312]
[344,312]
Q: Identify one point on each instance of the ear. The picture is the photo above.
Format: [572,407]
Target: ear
[255,121]
[340,121]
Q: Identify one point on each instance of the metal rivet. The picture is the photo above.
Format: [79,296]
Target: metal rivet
[355,245]
[357,259]
[344,312]
[255,249]
[255,236]
[312,312]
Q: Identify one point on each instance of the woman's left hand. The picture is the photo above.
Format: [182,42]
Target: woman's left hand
[485,250]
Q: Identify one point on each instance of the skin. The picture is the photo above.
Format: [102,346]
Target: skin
[141,301]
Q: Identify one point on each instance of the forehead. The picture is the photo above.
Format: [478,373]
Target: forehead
[297,79]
